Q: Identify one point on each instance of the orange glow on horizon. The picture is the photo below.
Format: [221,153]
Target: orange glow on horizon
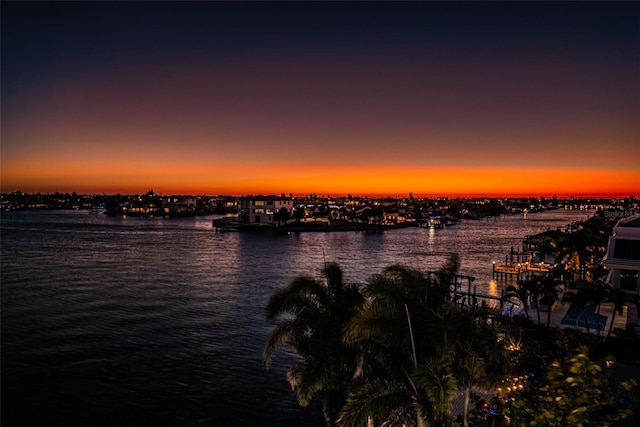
[409,99]
[132,178]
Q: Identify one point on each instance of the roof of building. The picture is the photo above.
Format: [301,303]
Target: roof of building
[631,221]
[628,228]
[268,197]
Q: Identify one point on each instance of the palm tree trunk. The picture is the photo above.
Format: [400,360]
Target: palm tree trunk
[586,320]
[548,315]
[332,402]
[613,317]
[329,413]
[419,419]
[526,303]
[327,419]
[598,321]
[538,310]
[465,411]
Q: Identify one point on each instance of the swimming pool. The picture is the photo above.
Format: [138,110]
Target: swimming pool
[580,315]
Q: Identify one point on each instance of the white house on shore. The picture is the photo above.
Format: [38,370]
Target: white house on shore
[261,209]
[623,255]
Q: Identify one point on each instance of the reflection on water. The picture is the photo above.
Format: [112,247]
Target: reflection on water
[155,321]
[493,288]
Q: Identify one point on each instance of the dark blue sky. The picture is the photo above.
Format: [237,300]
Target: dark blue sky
[39,37]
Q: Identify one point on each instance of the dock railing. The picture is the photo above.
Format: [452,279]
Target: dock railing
[466,294]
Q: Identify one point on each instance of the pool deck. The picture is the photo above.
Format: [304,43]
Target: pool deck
[559,310]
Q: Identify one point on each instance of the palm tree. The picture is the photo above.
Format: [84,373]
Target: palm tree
[311,315]
[539,289]
[521,291]
[580,246]
[548,294]
[478,356]
[392,331]
[421,399]
[418,349]
[284,215]
[600,294]
[549,246]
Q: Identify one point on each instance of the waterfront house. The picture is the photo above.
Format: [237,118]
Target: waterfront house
[390,217]
[261,209]
[623,255]
[138,207]
[178,205]
[224,204]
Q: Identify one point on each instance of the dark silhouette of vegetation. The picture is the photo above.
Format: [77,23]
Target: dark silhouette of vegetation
[522,291]
[572,389]
[404,350]
[311,315]
[405,377]
[396,351]
[282,215]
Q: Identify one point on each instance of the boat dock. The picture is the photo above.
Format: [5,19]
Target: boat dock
[520,271]
[226,224]
[519,265]
[465,294]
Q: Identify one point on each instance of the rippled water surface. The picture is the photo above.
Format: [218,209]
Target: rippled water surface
[110,321]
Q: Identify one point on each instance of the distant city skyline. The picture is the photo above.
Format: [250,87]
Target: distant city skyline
[372,99]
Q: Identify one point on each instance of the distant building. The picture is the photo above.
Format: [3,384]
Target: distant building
[262,209]
[388,201]
[623,255]
[390,217]
[178,205]
[138,207]
[224,204]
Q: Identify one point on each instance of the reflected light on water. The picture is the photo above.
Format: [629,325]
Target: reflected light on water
[493,288]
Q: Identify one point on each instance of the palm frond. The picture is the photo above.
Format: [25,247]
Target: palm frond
[282,335]
[305,381]
[377,399]
[301,293]
[333,273]
[448,271]
[435,378]
[373,321]
[382,287]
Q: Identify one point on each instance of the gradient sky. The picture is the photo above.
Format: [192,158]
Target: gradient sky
[496,98]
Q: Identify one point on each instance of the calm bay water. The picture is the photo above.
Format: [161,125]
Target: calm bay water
[110,321]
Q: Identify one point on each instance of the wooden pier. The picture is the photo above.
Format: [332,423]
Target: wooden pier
[519,271]
[465,294]
[519,265]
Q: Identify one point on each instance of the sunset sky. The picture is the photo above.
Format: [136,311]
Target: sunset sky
[455,99]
